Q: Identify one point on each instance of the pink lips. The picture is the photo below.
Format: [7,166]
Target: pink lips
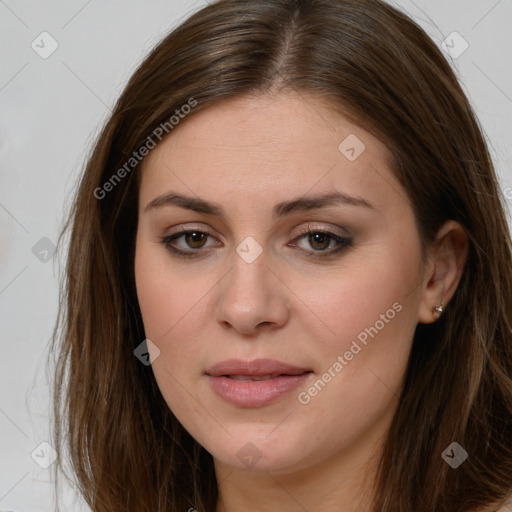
[255,383]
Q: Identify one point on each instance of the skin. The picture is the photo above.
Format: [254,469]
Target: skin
[247,154]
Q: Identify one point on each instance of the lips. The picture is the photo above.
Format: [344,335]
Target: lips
[255,383]
[256,368]
[252,377]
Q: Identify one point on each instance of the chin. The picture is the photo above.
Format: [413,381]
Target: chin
[251,453]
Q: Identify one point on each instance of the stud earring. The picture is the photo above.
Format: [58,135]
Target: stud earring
[438,310]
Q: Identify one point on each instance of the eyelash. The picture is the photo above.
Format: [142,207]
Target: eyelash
[342,241]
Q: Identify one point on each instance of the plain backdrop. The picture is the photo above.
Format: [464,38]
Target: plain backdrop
[52,106]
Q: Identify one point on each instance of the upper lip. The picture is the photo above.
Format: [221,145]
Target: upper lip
[254,367]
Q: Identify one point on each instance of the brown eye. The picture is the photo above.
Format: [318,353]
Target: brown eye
[190,243]
[195,239]
[319,241]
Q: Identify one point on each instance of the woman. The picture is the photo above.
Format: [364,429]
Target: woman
[288,283]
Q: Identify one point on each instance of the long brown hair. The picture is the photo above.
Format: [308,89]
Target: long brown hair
[127,450]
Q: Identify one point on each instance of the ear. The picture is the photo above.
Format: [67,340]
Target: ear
[446,260]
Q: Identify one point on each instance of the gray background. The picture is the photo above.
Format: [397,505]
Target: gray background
[52,107]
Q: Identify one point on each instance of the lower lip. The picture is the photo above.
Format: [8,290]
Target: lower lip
[255,393]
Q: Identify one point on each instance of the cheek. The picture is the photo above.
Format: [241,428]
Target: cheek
[166,296]
[362,296]
[172,312]
[368,318]
[176,310]
[155,297]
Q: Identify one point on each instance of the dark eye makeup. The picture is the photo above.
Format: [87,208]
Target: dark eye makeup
[323,243]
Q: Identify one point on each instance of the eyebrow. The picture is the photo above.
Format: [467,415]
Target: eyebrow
[304,203]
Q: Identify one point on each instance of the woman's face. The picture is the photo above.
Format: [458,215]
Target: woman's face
[277,350]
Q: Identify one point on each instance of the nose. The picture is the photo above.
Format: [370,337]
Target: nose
[252,298]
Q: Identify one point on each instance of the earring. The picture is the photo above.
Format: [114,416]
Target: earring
[438,310]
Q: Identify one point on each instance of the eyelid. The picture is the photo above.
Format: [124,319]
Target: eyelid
[189,227]
[322,229]
[183,229]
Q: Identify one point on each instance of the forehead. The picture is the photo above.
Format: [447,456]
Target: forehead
[269,147]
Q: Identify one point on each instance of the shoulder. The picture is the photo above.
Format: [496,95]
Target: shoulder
[505,508]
